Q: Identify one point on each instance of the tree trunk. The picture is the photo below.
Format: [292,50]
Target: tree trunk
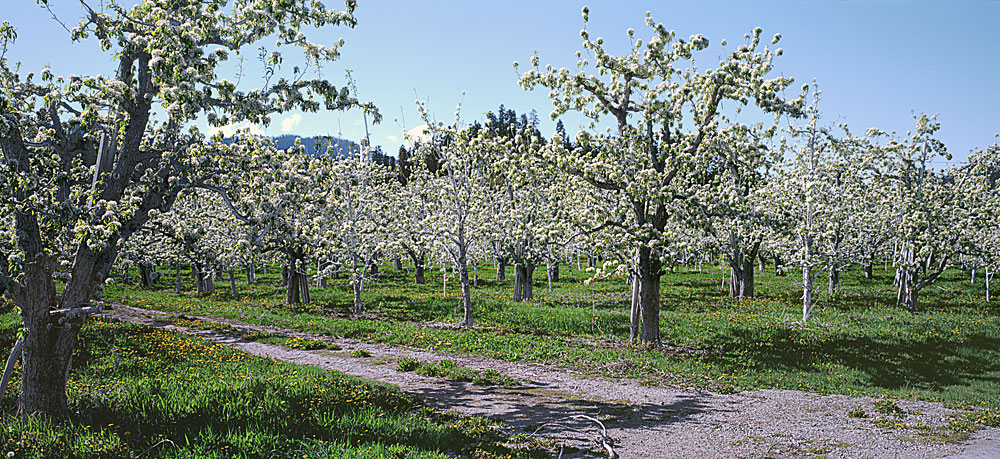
[501,266]
[177,278]
[868,270]
[304,287]
[145,275]
[807,289]
[591,261]
[635,317]
[250,272]
[906,293]
[646,297]
[778,272]
[292,290]
[373,269]
[284,276]
[552,271]
[199,284]
[209,280]
[523,274]
[232,282]
[988,277]
[356,286]
[418,269]
[47,348]
[834,276]
[45,359]
[463,271]
[397,264]
[741,281]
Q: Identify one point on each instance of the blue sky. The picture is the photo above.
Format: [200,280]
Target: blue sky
[875,60]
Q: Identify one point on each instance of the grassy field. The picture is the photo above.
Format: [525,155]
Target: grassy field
[857,343]
[137,391]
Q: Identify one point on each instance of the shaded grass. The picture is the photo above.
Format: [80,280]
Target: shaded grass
[141,391]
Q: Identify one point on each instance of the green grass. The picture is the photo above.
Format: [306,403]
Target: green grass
[857,343]
[140,391]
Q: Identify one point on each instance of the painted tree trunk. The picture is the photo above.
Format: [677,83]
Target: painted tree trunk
[741,281]
[778,272]
[868,272]
[635,317]
[906,292]
[807,289]
[988,277]
[356,287]
[304,287]
[208,280]
[523,274]
[552,271]
[463,272]
[834,278]
[501,266]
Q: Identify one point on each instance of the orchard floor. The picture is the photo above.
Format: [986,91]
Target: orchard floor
[642,421]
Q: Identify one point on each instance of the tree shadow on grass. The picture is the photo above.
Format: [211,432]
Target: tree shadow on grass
[931,364]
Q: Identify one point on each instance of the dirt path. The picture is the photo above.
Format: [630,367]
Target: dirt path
[642,421]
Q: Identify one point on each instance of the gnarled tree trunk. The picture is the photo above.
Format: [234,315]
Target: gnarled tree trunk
[741,281]
[645,317]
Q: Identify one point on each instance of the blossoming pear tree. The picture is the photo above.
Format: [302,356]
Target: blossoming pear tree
[980,184]
[664,108]
[927,207]
[458,216]
[86,158]
[360,196]
[806,189]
